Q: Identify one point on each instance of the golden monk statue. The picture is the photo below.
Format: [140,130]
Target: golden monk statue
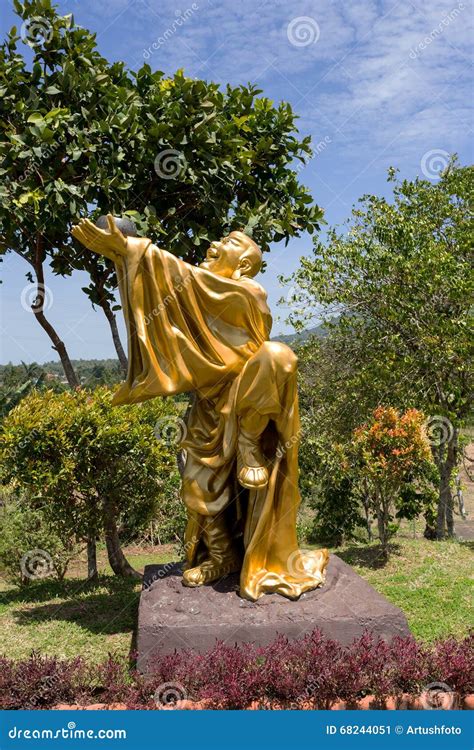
[205,330]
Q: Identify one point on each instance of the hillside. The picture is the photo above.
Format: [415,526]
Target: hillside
[95,371]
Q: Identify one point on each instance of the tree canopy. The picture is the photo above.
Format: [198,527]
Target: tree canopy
[395,290]
[186,159]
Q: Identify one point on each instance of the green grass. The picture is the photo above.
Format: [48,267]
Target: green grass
[430,581]
[74,617]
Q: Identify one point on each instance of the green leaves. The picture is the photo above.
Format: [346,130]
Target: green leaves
[35,117]
[80,451]
[55,114]
[402,278]
[394,289]
[83,136]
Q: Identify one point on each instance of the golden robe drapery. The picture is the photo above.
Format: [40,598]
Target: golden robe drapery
[190,330]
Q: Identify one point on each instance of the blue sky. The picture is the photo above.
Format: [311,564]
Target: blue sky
[374,83]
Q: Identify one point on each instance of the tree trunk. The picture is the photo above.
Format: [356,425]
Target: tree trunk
[450,515]
[118,561]
[438,456]
[92,572]
[115,335]
[382,523]
[38,310]
[58,345]
[442,495]
[366,506]
[430,529]
[447,463]
[381,530]
[451,460]
[368,522]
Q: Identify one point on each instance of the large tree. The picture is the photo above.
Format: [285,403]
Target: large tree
[396,290]
[185,159]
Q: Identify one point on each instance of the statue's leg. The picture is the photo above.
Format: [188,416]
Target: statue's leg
[251,470]
[192,538]
[207,491]
[258,400]
[223,557]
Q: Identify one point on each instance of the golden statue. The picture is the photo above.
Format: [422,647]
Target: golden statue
[205,330]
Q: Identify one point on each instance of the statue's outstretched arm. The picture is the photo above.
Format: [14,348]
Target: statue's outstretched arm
[111,243]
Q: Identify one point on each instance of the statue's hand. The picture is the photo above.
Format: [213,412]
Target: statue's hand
[112,243]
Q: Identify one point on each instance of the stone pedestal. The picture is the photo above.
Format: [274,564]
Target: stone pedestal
[172,616]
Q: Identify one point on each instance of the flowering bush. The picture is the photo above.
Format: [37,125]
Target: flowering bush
[314,668]
[394,465]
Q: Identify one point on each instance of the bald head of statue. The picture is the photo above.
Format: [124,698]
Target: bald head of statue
[233,256]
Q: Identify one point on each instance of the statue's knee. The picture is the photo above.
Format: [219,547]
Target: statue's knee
[282,354]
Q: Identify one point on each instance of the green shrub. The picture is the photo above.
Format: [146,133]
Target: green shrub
[92,469]
[30,549]
[169,521]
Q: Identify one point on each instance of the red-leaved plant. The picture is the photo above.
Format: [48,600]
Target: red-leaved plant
[314,670]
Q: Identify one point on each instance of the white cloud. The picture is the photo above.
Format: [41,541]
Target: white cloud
[378,72]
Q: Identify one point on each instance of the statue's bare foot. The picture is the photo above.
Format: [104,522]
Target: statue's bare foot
[211,570]
[251,470]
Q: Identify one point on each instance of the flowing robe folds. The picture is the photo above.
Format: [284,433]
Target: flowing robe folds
[190,330]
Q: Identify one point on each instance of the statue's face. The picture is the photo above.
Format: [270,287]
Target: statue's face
[224,257]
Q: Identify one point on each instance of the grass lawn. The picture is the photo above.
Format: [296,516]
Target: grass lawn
[430,581]
[73,617]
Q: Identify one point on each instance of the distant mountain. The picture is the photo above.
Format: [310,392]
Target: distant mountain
[293,339]
[108,370]
[89,372]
